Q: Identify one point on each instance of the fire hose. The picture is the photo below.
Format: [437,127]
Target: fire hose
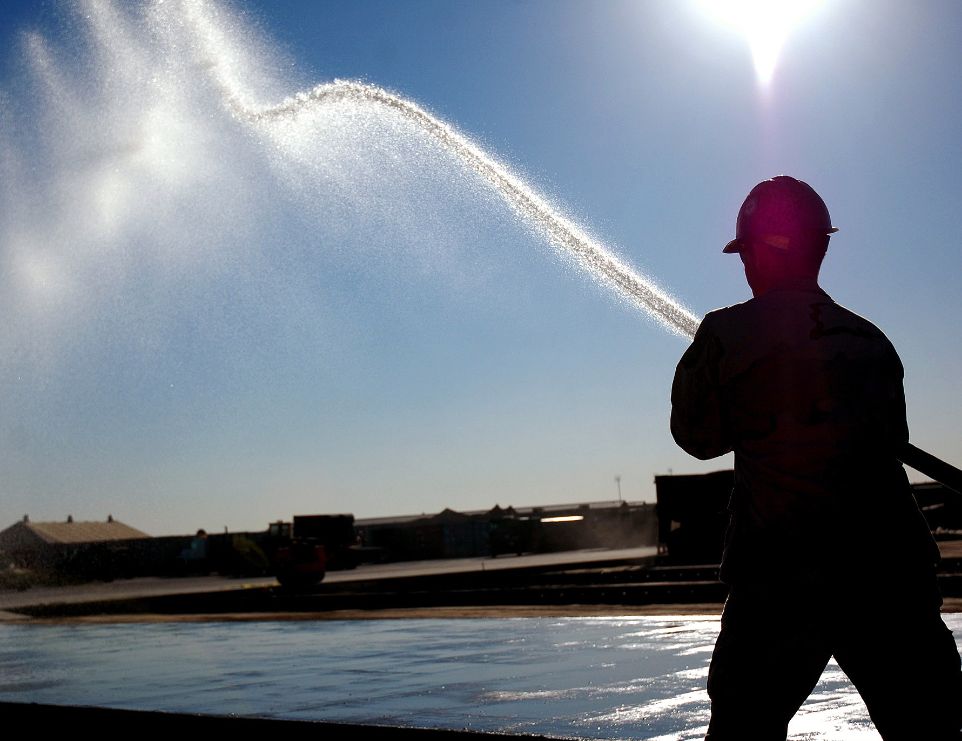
[935,468]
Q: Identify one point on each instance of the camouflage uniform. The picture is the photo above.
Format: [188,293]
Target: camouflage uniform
[826,552]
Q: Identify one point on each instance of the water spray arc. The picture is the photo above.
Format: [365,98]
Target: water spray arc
[562,233]
[565,235]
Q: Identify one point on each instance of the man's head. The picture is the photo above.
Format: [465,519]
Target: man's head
[782,233]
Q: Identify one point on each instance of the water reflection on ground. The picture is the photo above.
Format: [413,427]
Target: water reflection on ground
[629,677]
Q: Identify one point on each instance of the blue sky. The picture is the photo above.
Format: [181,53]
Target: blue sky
[212,328]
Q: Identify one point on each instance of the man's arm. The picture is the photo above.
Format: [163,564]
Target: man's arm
[699,423]
[897,427]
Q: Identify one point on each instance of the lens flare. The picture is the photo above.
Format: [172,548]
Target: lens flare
[765,24]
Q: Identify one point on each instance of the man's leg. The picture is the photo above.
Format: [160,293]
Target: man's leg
[903,660]
[767,660]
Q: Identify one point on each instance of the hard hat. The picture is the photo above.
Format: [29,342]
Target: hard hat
[784,213]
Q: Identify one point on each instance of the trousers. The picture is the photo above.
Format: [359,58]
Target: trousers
[886,634]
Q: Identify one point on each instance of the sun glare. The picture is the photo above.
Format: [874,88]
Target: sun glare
[765,24]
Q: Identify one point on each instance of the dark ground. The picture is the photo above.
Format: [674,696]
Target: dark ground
[596,582]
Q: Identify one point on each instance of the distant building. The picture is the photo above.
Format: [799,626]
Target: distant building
[510,530]
[60,545]
[693,514]
[25,534]
[941,506]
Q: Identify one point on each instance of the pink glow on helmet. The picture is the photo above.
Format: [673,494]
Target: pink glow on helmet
[784,213]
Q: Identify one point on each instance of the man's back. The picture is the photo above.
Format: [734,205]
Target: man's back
[809,396]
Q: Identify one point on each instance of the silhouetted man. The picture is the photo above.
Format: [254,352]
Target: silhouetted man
[826,551]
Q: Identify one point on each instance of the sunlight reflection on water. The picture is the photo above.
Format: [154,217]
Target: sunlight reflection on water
[611,678]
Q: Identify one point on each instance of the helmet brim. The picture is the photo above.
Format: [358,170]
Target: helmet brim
[735,245]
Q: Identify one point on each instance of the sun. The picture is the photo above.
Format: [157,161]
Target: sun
[765,24]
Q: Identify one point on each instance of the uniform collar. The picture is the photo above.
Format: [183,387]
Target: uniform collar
[809,285]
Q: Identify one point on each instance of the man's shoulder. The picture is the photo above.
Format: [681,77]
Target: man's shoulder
[729,313]
[817,308]
[809,323]
[833,317]
[727,318]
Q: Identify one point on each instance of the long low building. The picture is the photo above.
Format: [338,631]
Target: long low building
[511,530]
[693,513]
[51,545]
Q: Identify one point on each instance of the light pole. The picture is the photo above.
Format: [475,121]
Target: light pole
[618,482]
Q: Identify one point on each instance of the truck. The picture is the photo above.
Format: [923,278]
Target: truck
[301,552]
